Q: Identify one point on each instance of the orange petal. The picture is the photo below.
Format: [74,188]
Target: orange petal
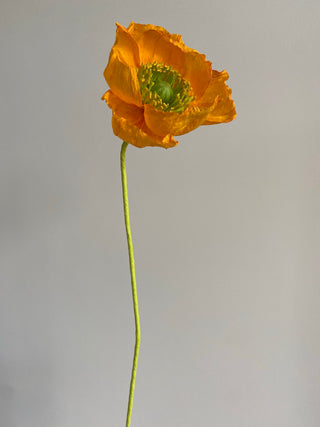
[216,87]
[127,47]
[134,121]
[121,71]
[224,112]
[162,122]
[137,30]
[218,93]
[157,45]
[139,137]
[122,109]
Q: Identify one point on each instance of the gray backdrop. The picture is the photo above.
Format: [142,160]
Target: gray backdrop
[225,225]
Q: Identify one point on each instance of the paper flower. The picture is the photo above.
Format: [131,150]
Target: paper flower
[160,88]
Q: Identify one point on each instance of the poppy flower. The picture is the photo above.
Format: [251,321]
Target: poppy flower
[160,88]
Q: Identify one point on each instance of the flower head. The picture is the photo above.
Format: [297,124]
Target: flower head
[160,88]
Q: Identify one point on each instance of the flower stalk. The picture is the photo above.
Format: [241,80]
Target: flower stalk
[133,279]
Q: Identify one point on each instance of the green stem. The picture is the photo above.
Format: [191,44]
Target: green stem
[133,279]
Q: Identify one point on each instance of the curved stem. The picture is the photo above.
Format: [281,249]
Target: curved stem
[133,279]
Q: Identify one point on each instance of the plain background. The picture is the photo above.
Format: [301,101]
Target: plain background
[225,225]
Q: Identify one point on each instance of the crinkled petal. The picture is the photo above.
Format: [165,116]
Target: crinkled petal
[223,113]
[216,87]
[218,93]
[129,124]
[162,122]
[127,46]
[140,137]
[157,45]
[137,30]
[121,71]
[122,109]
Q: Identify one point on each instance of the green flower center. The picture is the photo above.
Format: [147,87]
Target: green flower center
[164,88]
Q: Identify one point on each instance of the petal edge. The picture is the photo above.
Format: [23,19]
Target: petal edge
[139,137]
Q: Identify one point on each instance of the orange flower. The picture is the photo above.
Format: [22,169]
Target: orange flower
[160,88]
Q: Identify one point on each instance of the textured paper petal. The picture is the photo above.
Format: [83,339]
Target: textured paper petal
[140,137]
[122,109]
[157,45]
[137,30]
[162,122]
[121,71]
[220,94]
